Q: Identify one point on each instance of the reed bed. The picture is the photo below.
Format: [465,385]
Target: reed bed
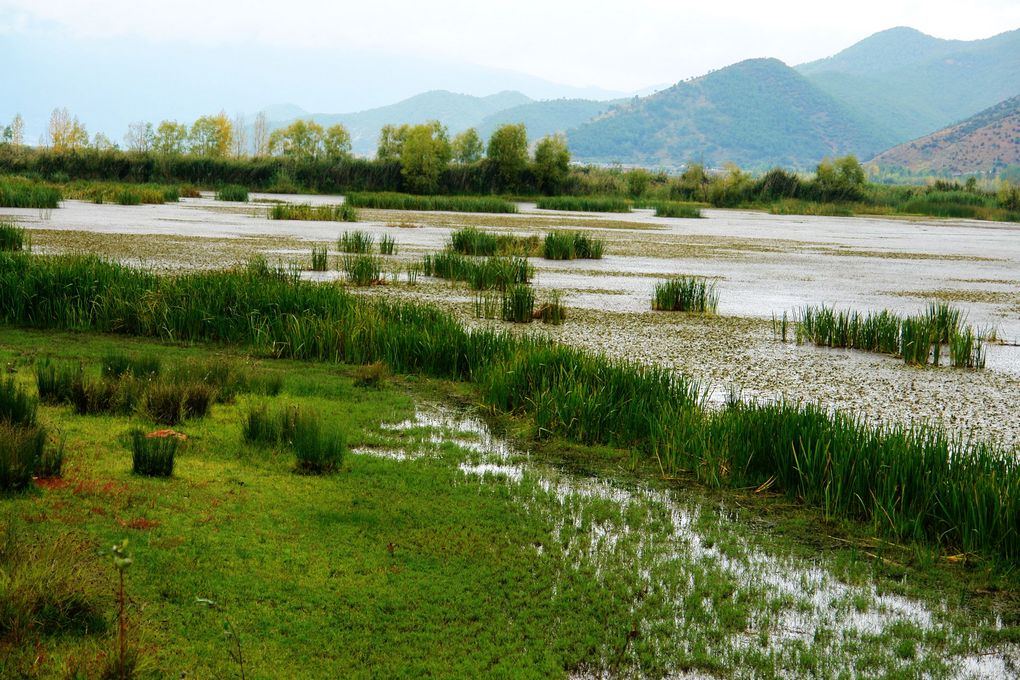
[122,193]
[362,270]
[912,484]
[518,303]
[320,258]
[395,201]
[585,204]
[355,242]
[313,213]
[387,245]
[17,192]
[552,311]
[479,273]
[686,294]
[791,206]
[672,208]
[572,246]
[12,237]
[474,241]
[919,339]
[232,192]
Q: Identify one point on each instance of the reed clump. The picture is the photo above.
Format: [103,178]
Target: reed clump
[671,208]
[320,258]
[153,454]
[474,241]
[387,245]
[318,449]
[518,303]
[313,213]
[686,294]
[553,311]
[355,242]
[571,246]
[362,270]
[232,192]
[18,192]
[12,237]
[585,204]
[396,201]
[24,450]
[479,273]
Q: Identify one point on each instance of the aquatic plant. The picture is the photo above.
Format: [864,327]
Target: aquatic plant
[355,242]
[584,204]
[12,237]
[686,294]
[395,201]
[232,192]
[320,258]
[313,213]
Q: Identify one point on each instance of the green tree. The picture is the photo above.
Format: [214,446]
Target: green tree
[302,140]
[211,136]
[424,154]
[508,153]
[337,142]
[170,138]
[468,147]
[552,163]
[391,139]
[840,179]
[140,137]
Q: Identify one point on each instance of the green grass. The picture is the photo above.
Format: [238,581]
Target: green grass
[918,339]
[153,456]
[571,246]
[474,241]
[395,201]
[122,193]
[585,204]
[479,273]
[355,242]
[17,192]
[671,208]
[320,213]
[518,303]
[232,192]
[362,270]
[12,237]
[686,294]
[320,258]
[387,245]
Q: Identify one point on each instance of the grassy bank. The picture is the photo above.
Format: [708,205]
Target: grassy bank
[910,484]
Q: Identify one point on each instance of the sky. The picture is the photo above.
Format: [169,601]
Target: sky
[622,46]
[117,61]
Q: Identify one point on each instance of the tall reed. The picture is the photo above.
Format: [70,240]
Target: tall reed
[686,294]
[394,201]
[316,213]
[584,204]
[12,237]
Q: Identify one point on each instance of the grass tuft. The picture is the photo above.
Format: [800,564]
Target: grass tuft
[686,294]
[232,192]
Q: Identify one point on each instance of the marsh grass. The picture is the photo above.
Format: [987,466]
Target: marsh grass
[232,192]
[479,273]
[396,201]
[12,237]
[17,192]
[672,209]
[318,213]
[387,245]
[487,305]
[919,339]
[686,294]
[317,448]
[320,258]
[122,193]
[153,456]
[585,204]
[518,303]
[21,450]
[362,270]
[552,311]
[117,364]
[791,206]
[571,246]
[17,406]
[359,242]
[474,241]
[908,483]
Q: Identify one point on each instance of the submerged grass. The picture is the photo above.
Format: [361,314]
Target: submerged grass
[321,213]
[395,201]
[911,484]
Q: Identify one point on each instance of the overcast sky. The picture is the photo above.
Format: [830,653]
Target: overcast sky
[614,45]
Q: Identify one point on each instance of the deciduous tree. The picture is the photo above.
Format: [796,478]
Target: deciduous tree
[508,153]
[552,163]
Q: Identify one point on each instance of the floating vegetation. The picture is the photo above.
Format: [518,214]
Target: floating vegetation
[585,204]
[686,294]
[395,201]
[313,213]
[571,246]
[232,192]
[918,339]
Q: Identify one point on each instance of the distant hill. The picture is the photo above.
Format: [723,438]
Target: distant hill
[456,111]
[756,113]
[545,118]
[904,84]
[984,143]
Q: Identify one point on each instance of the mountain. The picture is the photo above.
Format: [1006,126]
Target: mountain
[546,117]
[984,143]
[456,111]
[905,84]
[756,113]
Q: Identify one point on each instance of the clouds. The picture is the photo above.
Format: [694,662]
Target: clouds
[622,46]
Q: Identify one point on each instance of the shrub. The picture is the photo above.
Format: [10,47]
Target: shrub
[153,454]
